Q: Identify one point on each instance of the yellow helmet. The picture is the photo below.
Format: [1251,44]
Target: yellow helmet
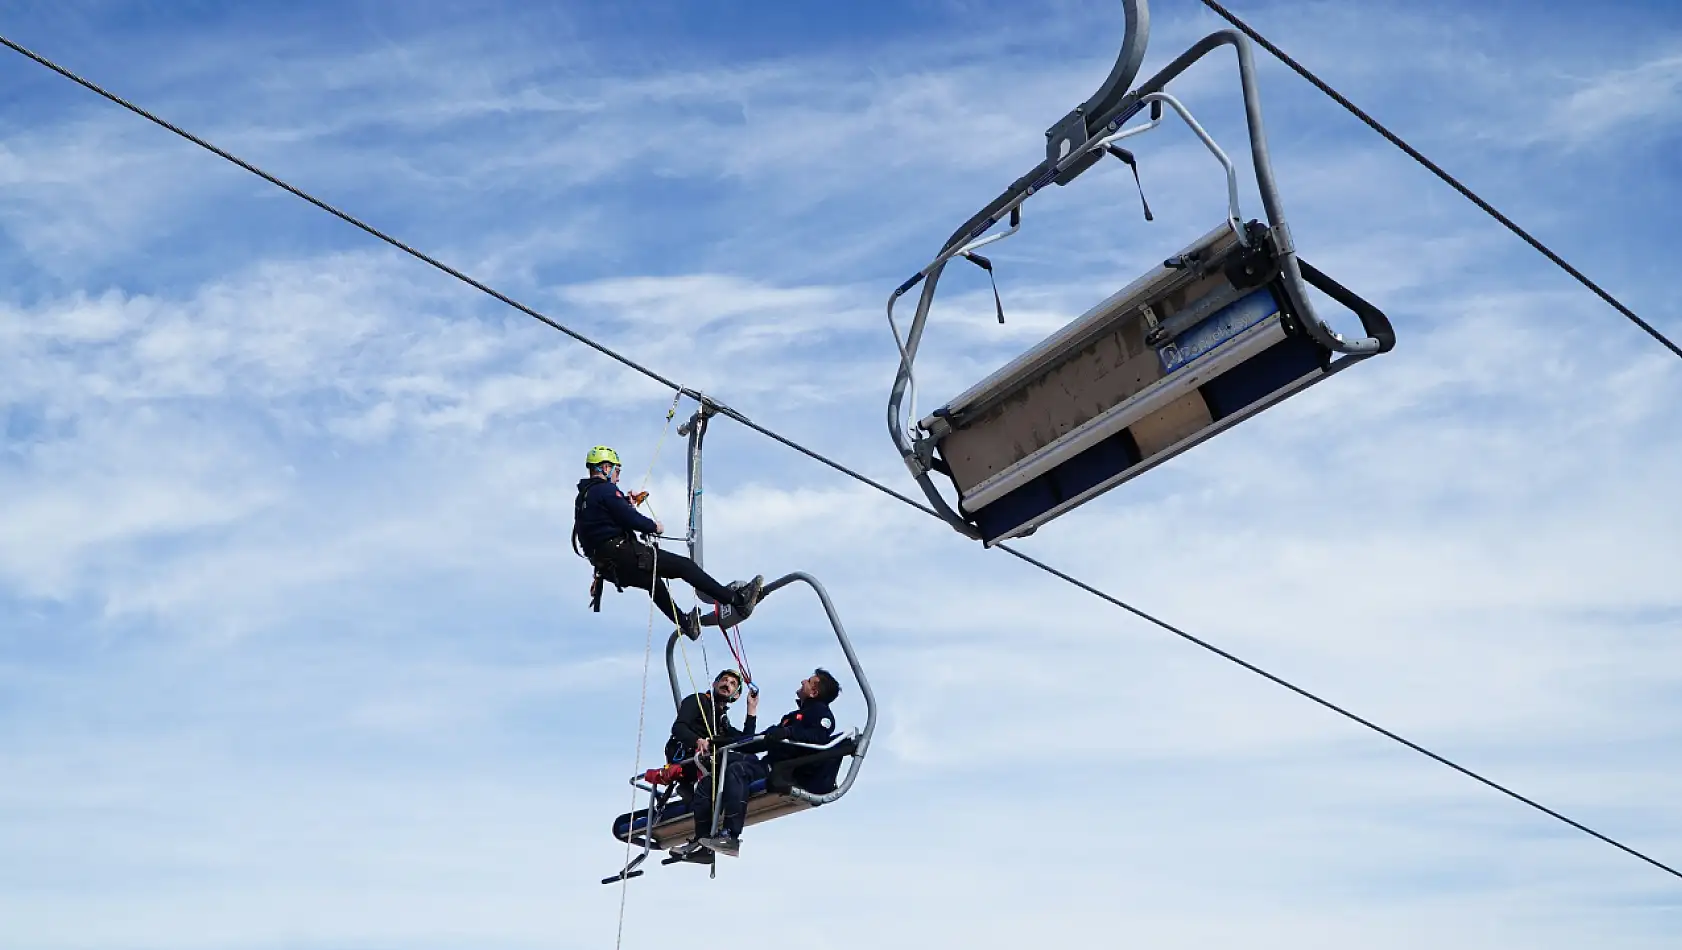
[600,454]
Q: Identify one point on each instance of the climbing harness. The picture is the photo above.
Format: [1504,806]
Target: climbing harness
[1216,333]
[667,820]
[605,567]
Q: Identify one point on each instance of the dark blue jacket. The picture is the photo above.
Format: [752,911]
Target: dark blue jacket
[603,513]
[811,722]
[703,716]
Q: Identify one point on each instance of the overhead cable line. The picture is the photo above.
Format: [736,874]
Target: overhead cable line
[1417,156]
[810,453]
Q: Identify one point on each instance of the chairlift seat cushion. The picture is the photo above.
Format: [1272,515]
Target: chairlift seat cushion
[767,798]
[1101,400]
[677,817]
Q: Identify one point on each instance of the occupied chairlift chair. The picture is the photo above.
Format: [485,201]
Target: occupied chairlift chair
[1215,334]
[672,820]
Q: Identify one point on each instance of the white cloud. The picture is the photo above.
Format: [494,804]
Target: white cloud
[1615,102]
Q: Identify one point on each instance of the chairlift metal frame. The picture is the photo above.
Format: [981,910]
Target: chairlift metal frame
[1074,144]
[771,803]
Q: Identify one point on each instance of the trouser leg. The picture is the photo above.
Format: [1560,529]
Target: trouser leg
[686,570]
[702,805]
[742,773]
[632,568]
[663,600]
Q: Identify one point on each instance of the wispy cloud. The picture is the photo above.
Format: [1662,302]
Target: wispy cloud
[1617,102]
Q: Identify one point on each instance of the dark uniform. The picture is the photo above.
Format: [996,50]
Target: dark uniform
[812,723]
[706,716]
[703,716]
[603,522]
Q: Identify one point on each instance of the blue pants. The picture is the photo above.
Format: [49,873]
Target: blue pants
[742,771]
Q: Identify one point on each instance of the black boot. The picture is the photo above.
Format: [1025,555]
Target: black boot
[747,595]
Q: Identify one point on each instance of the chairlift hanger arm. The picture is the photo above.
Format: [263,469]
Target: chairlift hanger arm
[706,408]
[1128,60]
[1067,152]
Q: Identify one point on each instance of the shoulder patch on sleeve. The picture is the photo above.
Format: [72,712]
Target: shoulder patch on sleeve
[826,723]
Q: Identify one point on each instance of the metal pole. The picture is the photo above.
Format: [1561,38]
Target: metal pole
[695,429]
[671,669]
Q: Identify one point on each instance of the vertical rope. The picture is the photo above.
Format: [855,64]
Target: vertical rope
[642,708]
[642,701]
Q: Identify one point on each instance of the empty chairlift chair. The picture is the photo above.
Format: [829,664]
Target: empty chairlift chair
[1214,334]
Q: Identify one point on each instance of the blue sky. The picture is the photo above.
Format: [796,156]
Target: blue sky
[294,652]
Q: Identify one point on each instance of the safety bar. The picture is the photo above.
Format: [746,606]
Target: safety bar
[632,868]
[911,378]
[750,742]
[822,746]
[1234,218]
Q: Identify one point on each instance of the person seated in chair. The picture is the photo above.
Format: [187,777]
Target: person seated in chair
[811,722]
[703,720]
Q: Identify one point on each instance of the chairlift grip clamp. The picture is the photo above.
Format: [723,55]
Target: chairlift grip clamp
[708,407]
[1282,241]
[920,460]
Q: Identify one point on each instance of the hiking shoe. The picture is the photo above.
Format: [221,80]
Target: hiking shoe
[690,624]
[723,844]
[748,594]
[687,849]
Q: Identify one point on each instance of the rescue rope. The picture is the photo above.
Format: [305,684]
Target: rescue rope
[709,721]
[647,655]
[671,413]
[738,646]
[818,457]
[642,709]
